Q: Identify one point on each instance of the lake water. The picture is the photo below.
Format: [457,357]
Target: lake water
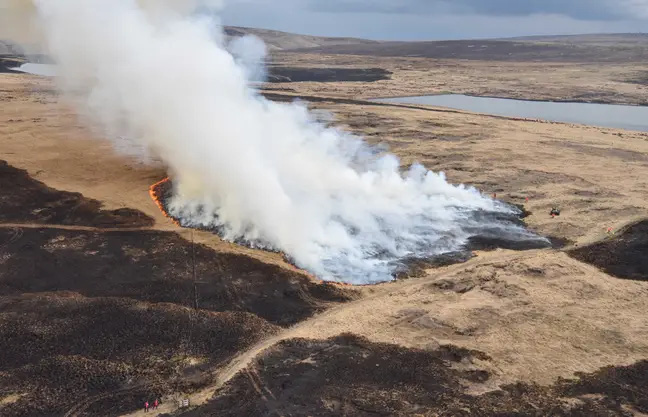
[603,115]
[46,70]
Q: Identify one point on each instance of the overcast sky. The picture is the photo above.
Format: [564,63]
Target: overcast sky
[439,19]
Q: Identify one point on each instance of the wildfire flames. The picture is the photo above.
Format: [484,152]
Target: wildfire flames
[155,191]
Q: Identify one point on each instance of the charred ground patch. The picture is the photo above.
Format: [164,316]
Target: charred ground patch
[145,265]
[488,237]
[277,74]
[26,200]
[60,348]
[156,266]
[7,62]
[348,375]
[100,312]
[623,255]
[640,78]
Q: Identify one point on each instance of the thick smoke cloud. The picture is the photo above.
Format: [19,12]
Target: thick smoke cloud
[261,172]
[250,53]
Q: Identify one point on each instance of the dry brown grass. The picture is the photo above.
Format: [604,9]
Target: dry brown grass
[590,82]
[538,314]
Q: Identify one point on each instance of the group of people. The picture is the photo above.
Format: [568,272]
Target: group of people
[147,405]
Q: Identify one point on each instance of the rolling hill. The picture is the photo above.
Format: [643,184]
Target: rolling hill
[277,40]
[579,49]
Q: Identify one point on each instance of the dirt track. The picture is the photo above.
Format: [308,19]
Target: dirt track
[538,315]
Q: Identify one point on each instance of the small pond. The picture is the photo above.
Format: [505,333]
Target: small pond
[46,70]
[603,115]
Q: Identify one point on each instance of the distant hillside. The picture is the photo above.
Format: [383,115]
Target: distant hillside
[274,39]
[277,40]
[497,50]
[617,48]
[589,39]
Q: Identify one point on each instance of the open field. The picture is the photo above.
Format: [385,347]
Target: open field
[621,48]
[616,82]
[105,302]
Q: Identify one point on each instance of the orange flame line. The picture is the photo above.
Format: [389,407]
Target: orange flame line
[158,200]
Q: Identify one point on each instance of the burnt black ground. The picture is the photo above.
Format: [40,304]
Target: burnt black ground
[26,200]
[624,255]
[486,237]
[91,312]
[7,62]
[348,375]
[277,74]
[110,312]
[156,266]
[65,346]
[640,78]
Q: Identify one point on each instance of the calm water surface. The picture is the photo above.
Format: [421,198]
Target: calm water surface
[603,115]
[46,70]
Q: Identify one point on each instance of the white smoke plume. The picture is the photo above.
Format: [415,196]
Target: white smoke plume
[250,52]
[262,172]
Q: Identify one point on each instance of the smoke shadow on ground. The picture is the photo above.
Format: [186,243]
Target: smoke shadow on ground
[623,255]
[349,375]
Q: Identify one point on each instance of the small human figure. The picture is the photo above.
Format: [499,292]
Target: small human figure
[155,404]
[146,406]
